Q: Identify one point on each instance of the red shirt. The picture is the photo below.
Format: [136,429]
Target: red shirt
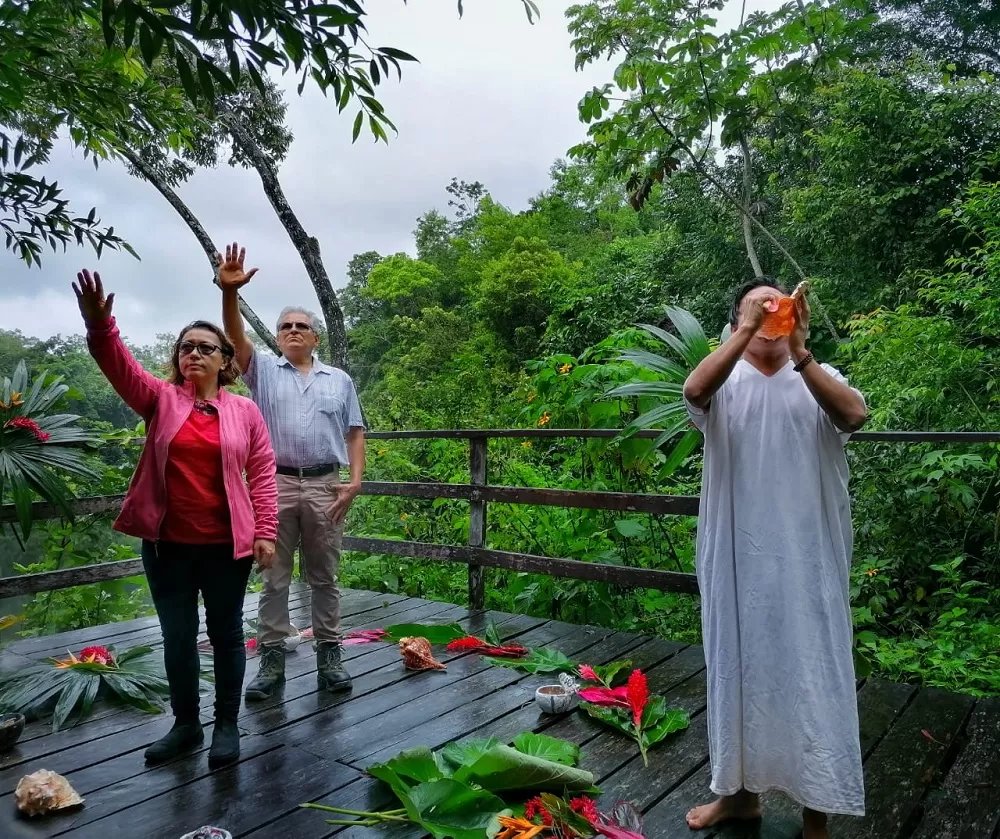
[197,507]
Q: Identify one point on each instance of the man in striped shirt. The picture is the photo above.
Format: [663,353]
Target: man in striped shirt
[317,428]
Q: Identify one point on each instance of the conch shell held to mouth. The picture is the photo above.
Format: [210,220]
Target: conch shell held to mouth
[779,318]
[43,791]
[417,654]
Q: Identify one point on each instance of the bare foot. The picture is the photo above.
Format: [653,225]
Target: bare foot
[814,824]
[743,805]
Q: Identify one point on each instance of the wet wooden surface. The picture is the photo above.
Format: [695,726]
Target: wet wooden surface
[310,746]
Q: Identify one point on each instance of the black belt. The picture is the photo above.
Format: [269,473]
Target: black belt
[309,471]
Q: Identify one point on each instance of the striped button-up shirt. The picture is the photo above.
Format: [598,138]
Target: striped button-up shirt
[308,416]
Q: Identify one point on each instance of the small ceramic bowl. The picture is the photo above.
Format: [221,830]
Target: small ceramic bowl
[555,699]
[11,728]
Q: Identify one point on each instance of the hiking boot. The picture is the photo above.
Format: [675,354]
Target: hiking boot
[182,738]
[330,673]
[270,674]
[225,744]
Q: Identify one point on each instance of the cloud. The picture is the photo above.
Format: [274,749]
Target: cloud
[492,99]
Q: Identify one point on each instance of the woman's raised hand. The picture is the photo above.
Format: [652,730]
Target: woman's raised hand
[94,306]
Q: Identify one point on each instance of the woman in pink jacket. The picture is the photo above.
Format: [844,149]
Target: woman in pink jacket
[201,522]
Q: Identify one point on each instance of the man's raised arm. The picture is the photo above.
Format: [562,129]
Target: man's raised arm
[232,277]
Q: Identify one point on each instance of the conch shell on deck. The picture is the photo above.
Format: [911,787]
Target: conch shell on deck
[43,791]
[417,654]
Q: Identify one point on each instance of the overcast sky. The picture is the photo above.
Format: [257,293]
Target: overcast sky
[493,99]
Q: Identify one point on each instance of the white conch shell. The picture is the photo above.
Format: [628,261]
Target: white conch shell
[43,791]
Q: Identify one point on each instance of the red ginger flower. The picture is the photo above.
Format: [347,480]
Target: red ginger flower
[637,695]
[469,642]
[97,655]
[28,424]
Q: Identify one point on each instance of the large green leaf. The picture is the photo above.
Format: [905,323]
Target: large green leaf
[540,660]
[547,748]
[449,809]
[465,752]
[417,765]
[505,768]
[659,721]
[435,633]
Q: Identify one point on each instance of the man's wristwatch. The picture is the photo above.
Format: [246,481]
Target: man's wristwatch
[798,368]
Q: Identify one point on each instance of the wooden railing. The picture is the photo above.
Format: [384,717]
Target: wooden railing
[479,493]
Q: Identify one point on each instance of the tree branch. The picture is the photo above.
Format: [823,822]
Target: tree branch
[747,195]
[306,245]
[207,245]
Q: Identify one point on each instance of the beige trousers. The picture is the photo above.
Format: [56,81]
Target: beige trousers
[303,521]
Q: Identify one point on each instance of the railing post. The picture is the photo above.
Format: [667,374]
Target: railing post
[477,520]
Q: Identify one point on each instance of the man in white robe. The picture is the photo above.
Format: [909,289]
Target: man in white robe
[773,556]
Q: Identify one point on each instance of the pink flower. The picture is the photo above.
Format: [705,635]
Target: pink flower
[587,672]
[28,424]
[251,646]
[613,697]
[358,636]
[613,831]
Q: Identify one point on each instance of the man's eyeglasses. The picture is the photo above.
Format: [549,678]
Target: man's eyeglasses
[298,326]
[203,349]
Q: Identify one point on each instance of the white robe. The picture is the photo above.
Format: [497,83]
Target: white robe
[773,554]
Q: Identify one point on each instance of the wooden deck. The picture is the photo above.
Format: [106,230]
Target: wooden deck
[932,758]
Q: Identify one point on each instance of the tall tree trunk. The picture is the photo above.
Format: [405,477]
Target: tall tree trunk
[306,245]
[747,208]
[203,238]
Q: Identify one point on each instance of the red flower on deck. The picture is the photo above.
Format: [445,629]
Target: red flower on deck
[472,644]
[97,655]
[586,808]
[28,424]
[587,672]
[466,644]
[535,809]
[637,695]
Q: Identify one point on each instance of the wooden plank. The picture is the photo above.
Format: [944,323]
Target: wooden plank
[477,521]
[69,577]
[397,701]
[904,764]
[241,797]
[471,705]
[665,819]
[627,502]
[967,805]
[529,563]
[879,704]
[89,506]
[110,719]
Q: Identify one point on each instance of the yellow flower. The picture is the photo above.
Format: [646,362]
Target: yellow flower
[404,516]
[531,398]
[15,401]
[526,444]
[871,572]
[63,663]
[565,368]
[514,828]
[545,419]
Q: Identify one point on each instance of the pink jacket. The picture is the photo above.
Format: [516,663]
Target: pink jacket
[246,447]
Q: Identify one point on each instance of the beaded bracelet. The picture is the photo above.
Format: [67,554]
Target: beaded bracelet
[798,368]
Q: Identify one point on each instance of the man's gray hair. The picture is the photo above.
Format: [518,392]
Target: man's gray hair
[314,320]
